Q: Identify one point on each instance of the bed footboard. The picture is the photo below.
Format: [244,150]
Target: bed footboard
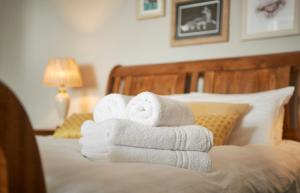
[3,174]
[20,162]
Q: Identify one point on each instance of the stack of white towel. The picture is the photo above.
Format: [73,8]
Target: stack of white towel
[146,128]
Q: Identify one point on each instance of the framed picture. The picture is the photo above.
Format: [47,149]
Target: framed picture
[270,18]
[199,21]
[147,9]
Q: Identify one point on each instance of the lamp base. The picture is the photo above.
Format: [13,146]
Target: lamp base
[62,103]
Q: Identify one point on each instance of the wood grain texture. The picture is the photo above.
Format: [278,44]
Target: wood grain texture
[194,82]
[222,64]
[297,95]
[112,82]
[293,134]
[246,81]
[160,84]
[19,147]
[227,75]
[44,132]
[3,173]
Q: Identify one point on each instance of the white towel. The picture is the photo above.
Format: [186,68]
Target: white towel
[150,109]
[111,106]
[130,133]
[96,153]
[199,161]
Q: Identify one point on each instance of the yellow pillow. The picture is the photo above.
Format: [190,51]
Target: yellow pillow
[221,126]
[71,126]
[219,118]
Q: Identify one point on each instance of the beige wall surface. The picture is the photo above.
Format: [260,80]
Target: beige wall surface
[101,34]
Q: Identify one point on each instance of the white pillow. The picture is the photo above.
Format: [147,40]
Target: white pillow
[263,124]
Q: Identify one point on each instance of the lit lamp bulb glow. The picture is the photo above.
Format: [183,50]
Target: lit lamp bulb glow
[62,73]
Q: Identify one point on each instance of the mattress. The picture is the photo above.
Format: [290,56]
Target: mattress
[236,169]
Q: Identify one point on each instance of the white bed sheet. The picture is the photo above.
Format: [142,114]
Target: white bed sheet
[236,170]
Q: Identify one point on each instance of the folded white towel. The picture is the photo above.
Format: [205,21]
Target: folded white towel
[130,133]
[96,153]
[150,109]
[199,161]
[111,106]
[88,127]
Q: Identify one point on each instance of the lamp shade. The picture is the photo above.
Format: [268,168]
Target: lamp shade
[62,72]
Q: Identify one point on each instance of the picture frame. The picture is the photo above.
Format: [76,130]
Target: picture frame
[269,19]
[199,21]
[147,9]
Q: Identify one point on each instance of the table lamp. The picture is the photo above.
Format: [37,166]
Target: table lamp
[62,73]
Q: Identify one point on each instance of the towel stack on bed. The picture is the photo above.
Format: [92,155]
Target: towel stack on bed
[151,129]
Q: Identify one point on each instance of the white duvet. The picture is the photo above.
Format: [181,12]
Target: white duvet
[245,169]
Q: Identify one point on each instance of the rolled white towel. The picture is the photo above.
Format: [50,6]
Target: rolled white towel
[154,110]
[199,161]
[133,134]
[111,106]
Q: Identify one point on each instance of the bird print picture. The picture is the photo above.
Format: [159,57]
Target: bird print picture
[270,18]
[269,8]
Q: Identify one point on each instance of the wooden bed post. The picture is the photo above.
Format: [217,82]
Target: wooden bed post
[19,153]
[3,174]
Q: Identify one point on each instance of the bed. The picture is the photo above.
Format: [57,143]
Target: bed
[56,164]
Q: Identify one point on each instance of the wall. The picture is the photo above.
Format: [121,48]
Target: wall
[101,33]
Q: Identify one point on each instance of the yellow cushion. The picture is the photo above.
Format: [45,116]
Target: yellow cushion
[220,126]
[71,126]
[219,118]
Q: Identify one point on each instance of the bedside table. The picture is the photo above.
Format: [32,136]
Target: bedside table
[44,132]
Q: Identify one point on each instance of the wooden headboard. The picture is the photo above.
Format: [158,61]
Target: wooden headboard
[228,75]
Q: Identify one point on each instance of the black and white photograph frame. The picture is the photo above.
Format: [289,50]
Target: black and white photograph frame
[270,18]
[147,9]
[199,21]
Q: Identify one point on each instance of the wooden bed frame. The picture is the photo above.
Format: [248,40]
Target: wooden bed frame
[229,75]
[20,165]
